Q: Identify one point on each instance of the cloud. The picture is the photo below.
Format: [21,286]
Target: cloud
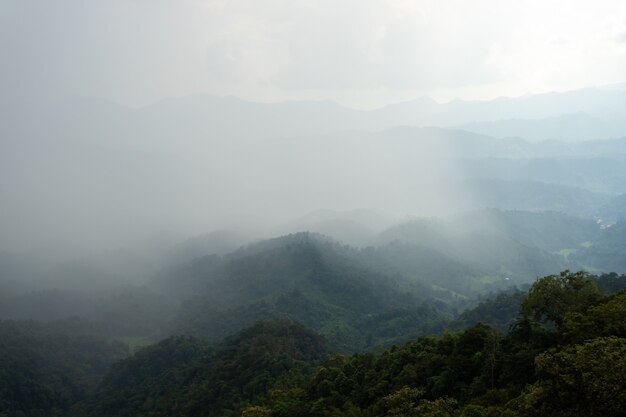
[140,51]
[345,45]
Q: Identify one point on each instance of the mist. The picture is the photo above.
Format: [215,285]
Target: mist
[134,119]
[89,174]
[255,208]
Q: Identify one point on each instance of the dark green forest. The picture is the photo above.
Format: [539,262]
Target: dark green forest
[388,208]
[409,280]
[563,354]
[433,318]
[45,370]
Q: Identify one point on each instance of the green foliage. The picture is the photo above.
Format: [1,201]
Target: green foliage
[606,319]
[552,297]
[140,384]
[184,376]
[564,355]
[420,266]
[406,402]
[127,312]
[534,370]
[419,378]
[607,252]
[441,407]
[498,312]
[256,411]
[474,410]
[46,370]
[403,402]
[611,283]
[504,244]
[580,380]
[305,278]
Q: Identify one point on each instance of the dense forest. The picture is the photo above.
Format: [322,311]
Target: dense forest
[45,370]
[421,320]
[563,354]
[408,280]
[312,208]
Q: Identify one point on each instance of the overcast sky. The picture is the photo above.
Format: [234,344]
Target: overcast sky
[363,53]
[96,176]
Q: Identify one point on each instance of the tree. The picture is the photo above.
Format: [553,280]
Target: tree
[406,402]
[403,403]
[552,297]
[606,319]
[580,380]
[256,411]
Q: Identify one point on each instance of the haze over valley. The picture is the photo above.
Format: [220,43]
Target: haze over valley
[228,209]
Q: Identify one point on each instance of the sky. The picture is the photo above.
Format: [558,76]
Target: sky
[80,171]
[360,53]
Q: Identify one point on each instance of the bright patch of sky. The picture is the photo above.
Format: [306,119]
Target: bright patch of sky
[361,53]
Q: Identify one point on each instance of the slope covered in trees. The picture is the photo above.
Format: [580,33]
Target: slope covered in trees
[410,282]
[184,376]
[551,363]
[307,278]
[46,369]
[493,243]
[562,356]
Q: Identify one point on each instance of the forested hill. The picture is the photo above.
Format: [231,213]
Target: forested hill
[46,369]
[556,360]
[410,280]
[409,284]
[303,277]
[501,310]
[184,376]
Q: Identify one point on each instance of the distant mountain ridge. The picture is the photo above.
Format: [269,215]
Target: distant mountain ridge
[219,159]
[568,127]
[220,116]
